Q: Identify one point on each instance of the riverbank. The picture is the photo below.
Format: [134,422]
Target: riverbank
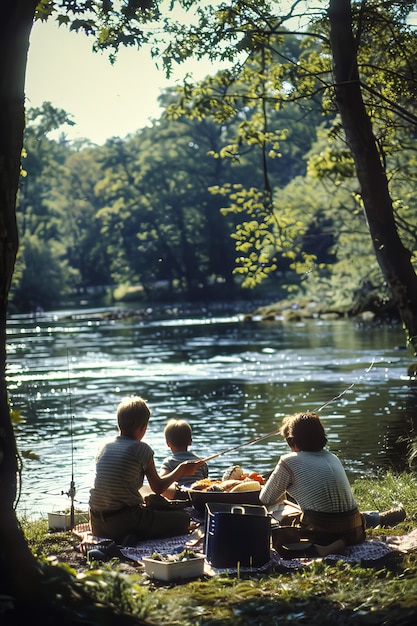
[322,593]
[369,307]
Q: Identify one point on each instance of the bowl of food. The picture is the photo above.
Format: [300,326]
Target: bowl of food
[241,488]
[169,567]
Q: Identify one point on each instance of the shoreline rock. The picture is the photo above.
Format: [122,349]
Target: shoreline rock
[297,311]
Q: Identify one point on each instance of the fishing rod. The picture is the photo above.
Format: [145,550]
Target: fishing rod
[72,490]
[368,369]
[241,445]
[275,432]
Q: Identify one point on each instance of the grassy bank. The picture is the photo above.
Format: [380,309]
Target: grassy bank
[385,593]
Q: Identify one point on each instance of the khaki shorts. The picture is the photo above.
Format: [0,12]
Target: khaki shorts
[139,523]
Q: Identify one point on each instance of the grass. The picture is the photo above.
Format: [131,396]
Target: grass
[320,594]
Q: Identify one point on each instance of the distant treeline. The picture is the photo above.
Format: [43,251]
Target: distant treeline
[147,217]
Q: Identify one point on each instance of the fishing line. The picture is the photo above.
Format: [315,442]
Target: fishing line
[275,432]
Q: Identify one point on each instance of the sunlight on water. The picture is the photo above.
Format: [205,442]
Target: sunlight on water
[232,380]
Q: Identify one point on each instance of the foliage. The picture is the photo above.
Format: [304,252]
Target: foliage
[157,181]
[111,22]
[269,123]
[118,216]
[116,220]
[259,143]
[253,94]
[43,271]
[274,69]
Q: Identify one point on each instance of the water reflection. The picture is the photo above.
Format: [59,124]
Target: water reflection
[233,381]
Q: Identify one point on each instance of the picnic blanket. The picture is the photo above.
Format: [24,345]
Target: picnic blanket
[368,552]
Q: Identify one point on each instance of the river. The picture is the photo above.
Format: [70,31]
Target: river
[232,380]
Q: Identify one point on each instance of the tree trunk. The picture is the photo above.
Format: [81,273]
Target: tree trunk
[393,258]
[19,568]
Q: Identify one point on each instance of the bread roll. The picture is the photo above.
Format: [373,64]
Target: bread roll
[246,485]
[228,485]
[203,484]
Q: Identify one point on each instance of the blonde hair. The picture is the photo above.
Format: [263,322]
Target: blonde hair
[131,413]
[178,433]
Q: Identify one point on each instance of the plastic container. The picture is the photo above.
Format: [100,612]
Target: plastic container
[237,535]
[174,570]
[59,520]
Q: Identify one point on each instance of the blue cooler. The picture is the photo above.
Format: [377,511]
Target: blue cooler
[237,534]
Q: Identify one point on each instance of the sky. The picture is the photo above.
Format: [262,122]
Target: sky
[104,100]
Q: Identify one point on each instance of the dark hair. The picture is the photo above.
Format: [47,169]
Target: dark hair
[305,431]
[132,413]
[178,433]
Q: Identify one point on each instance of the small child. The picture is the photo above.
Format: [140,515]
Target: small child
[178,437]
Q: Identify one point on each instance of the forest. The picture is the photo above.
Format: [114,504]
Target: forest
[177,209]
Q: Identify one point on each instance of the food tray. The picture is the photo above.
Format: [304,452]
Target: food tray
[200,498]
[174,570]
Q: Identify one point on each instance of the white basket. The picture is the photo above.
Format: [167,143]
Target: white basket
[174,570]
[59,520]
